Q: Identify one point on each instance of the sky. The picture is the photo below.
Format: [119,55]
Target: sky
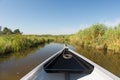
[57,16]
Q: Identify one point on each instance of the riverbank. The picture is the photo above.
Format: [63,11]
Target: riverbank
[99,37]
[16,43]
[101,57]
[18,64]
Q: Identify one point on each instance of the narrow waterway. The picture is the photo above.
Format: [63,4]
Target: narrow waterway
[16,65]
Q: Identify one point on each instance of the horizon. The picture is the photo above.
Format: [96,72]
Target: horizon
[107,25]
[57,17]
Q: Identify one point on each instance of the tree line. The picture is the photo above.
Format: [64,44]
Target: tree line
[8,31]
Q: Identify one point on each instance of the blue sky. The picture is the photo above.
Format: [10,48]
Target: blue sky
[57,16]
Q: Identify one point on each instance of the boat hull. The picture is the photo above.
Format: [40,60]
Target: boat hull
[98,73]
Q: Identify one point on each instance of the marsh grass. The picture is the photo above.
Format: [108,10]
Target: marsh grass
[16,43]
[98,36]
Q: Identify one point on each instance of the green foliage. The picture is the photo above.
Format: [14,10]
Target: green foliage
[7,31]
[16,43]
[61,38]
[98,36]
[0,29]
[17,31]
[98,30]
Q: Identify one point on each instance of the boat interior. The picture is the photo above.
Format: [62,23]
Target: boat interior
[67,66]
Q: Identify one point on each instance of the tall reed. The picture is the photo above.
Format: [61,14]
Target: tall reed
[15,43]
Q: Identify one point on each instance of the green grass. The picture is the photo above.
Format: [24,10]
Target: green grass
[16,43]
[99,37]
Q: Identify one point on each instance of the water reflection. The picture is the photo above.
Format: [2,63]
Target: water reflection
[107,59]
[16,65]
[19,55]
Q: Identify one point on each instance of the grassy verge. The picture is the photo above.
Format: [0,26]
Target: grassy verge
[98,36]
[16,43]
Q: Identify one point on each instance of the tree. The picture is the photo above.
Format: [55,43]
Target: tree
[7,31]
[17,31]
[0,29]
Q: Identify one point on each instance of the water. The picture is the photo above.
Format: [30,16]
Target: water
[15,66]
[109,60]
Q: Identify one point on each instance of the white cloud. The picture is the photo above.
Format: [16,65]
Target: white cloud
[83,26]
[111,23]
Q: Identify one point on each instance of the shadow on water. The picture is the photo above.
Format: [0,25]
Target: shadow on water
[16,65]
[19,55]
[107,59]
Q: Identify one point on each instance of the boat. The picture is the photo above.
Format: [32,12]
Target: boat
[67,64]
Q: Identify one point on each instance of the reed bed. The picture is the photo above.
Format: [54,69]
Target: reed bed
[98,36]
[16,43]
